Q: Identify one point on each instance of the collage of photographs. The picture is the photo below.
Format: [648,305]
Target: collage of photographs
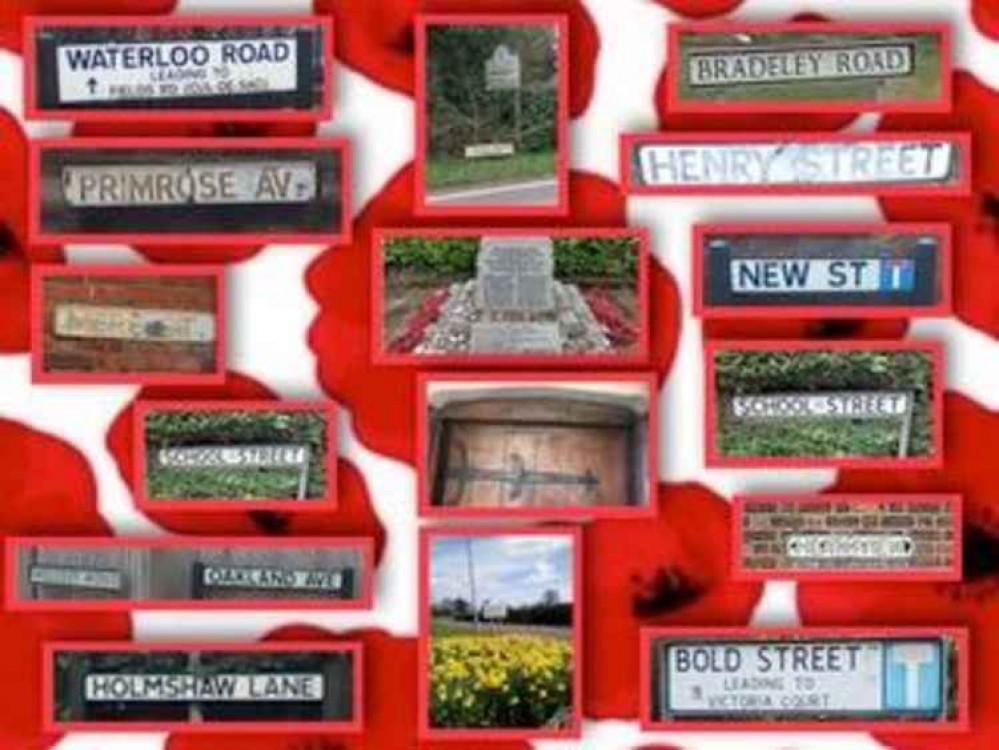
[537,402]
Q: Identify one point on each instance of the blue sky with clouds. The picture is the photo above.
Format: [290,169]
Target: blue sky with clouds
[510,569]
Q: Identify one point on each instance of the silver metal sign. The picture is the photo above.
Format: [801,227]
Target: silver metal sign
[82,578]
[103,322]
[797,163]
[781,64]
[231,688]
[241,457]
[840,404]
[202,184]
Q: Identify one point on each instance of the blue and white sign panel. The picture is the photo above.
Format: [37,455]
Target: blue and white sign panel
[795,679]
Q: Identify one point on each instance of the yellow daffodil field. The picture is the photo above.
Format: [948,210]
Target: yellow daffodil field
[500,680]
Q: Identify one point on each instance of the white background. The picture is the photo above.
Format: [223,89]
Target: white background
[271,311]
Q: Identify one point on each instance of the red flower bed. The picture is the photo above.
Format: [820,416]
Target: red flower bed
[416,326]
[621,331]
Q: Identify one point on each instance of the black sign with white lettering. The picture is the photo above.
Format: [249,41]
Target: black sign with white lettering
[166,190]
[201,67]
[782,270]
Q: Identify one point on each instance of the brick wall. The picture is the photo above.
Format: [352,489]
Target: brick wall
[768,524]
[186,293]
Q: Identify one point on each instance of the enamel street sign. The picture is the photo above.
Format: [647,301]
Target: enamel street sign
[726,66]
[789,679]
[227,183]
[271,67]
[231,688]
[133,324]
[769,271]
[853,546]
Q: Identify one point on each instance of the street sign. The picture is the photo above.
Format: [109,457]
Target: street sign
[132,324]
[172,687]
[787,679]
[75,577]
[489,150]
[503,71]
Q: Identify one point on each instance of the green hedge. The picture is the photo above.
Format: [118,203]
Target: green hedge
[179,428]
[762,372]
[575,258]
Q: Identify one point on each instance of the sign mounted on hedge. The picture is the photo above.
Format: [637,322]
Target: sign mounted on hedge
[217,67]
[809,67]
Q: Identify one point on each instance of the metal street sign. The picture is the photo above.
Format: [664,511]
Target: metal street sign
[171,687]
[332,581]
[69,577]
[240,457]
[791,163]
[203,66]
[841,404]
[855,546]
[205,184]
[773,63]
[127,323]
[832,405]
[489,150]
[825,275]
[792,679]
[503,71]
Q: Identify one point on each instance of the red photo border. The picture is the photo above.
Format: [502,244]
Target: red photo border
[675,103]
[51,725]
[629,186]
[573,512]
[960,635]
[291,505]
[942,308]
[335,236]
[41,272]
[380,356]
[714,460]
[14,603]
[425,731]
[740,572]
[422,207]
[32,24]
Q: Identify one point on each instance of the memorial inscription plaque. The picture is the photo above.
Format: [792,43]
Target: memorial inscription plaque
[179,69]
[215,572]
[800,67]
[258,687]
[849,678]
[743,271]
[884,537]
[177,189]
[795,163]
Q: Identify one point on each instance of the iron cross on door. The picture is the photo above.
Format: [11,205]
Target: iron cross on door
[515,476]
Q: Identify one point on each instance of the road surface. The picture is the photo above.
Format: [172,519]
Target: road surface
[534,193]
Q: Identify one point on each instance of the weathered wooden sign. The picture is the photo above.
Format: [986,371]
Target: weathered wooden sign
[795,163]
[283,686]
[503,70]
[183,189]
[798,67]
[887,537]
[749,271]
[336,583]
[133,324]
[489,150]
[76,577]
[904,677]
[277,68]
